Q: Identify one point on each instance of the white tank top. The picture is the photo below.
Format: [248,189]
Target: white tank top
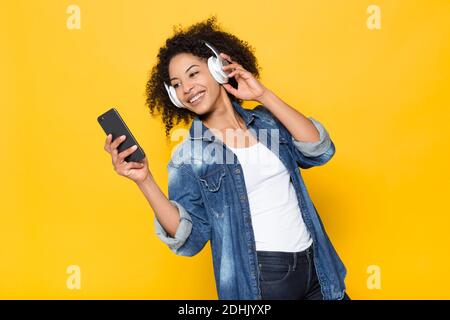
[276,218]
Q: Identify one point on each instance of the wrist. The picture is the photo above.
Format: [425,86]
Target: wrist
[265,98]
[147,181]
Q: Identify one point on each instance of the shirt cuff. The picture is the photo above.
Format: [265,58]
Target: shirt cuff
[183,231]
[316,148]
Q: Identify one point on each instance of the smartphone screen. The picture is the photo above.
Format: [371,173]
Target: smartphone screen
[112,122]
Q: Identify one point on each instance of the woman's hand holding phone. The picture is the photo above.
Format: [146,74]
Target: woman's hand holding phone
[136,171]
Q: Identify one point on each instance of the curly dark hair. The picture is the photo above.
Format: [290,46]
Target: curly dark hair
[190,41]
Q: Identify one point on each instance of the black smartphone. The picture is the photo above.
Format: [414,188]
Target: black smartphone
[112,122]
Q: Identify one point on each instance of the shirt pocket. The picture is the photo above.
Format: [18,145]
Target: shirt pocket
[212,181]
[213,184]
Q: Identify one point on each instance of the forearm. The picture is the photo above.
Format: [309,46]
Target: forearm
[167,214]
[299,126]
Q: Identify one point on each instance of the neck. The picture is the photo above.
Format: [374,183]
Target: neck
[223,116]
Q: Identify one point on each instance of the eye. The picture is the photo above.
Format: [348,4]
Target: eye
[192,74]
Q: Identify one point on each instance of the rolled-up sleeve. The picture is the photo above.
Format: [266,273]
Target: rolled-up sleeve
[316,148]
[194,229]
[306,154]
[183,231]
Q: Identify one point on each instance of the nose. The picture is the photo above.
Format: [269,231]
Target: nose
[187,88]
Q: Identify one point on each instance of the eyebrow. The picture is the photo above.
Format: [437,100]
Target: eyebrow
[194,65]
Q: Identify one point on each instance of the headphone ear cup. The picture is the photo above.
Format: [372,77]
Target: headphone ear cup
[215,67]
[177,102]
[173,96]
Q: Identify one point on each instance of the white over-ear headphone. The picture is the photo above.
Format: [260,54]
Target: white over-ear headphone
[215,64]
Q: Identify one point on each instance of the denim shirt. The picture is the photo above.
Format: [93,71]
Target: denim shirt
[209,191]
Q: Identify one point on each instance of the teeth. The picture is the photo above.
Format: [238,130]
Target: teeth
[196,97]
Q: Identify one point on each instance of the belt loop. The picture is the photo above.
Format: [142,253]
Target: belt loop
[295,261]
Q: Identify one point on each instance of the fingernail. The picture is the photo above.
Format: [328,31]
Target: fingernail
[134,147]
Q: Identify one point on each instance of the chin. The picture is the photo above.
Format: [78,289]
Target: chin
[202,111]
[203,108]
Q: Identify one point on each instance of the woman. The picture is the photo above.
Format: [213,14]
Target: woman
[267,239]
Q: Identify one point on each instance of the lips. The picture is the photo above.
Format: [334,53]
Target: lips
[201,94]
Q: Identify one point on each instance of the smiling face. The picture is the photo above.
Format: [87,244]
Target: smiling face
[190,77]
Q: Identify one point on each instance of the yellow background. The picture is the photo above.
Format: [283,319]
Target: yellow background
[382,94]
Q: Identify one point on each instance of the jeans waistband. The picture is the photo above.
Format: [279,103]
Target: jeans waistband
[285,257]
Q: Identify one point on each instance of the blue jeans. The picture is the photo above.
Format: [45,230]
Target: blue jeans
[289,276]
